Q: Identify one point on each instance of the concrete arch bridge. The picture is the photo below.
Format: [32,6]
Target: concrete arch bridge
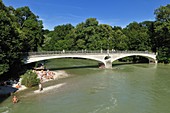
[105,57]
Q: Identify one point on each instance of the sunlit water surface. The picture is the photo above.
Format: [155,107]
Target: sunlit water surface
[133,88]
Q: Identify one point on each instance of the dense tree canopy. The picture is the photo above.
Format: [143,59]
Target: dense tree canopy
[162,33]
[138,37]
[59,39]
[8,40]
[30,28]
[22,31]
[151,36]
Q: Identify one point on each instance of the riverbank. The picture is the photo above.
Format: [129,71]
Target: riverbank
[13,88]
[49,88]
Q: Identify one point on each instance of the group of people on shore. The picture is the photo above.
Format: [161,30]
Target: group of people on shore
[45,74]
[42,74]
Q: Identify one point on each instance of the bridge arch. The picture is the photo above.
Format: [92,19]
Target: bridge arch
[36,59]
[149,57]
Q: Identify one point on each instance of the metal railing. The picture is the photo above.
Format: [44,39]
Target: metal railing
[85,52]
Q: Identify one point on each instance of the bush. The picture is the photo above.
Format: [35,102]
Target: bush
[29,79]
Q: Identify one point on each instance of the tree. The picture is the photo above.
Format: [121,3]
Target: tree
[30,29]
[20,31]
[86,34]
[162,33]
[149,25]
[163,13]
[91,22]
[9,41]
[120,40]
[29,79]
[61,38]
[138,37]
[106,36]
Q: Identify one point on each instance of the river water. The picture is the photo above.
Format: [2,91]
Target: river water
[128,88]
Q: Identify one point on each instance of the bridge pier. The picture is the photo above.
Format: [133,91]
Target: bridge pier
[108,64]
[152,61]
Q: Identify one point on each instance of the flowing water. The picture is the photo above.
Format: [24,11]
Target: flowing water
[129,88]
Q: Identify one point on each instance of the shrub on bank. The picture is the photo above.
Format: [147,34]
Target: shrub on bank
[29,79]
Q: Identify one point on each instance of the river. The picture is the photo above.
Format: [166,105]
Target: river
[128,88]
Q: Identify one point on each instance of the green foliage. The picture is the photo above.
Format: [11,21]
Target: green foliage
[3,68]
[9,43]
[106,36]
[162,33]
[138,37]
[29,79]
[151,36]
[20,31]
[91,22]
[31,32]
[59,39]
[120,40]
[163,13]
[163,56]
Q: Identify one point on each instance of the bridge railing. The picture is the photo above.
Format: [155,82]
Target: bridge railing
[143,52]
[84,52]
[66,52]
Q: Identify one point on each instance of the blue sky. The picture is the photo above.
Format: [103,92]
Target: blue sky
[112,12]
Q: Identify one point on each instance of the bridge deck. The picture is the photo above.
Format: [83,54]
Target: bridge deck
[87,52]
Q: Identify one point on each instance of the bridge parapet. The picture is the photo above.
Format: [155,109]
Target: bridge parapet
[85,52]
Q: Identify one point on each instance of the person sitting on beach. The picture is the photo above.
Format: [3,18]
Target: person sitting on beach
[14,99]
[17,86]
